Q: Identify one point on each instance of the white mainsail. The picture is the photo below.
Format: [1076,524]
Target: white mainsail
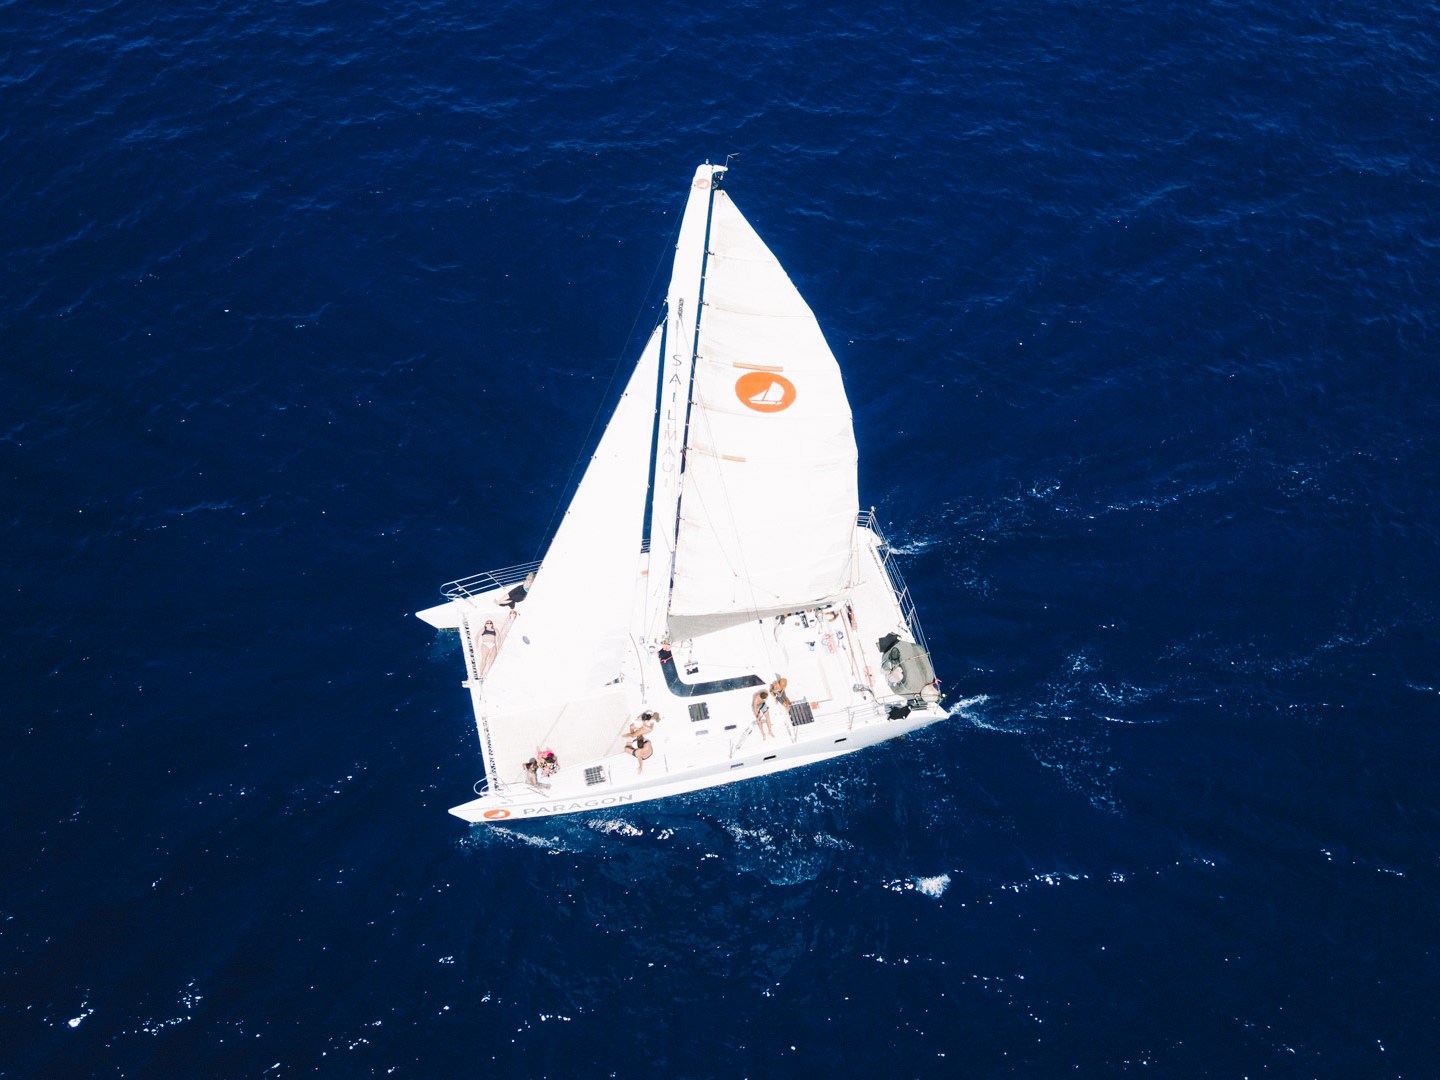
[571,631]
[768,494]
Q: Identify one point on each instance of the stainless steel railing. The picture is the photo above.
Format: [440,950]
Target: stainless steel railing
[488,581]
[866,519]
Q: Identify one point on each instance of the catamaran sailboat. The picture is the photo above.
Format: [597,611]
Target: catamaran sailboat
[752,621]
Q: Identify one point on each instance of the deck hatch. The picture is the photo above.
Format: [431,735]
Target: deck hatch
[595,774]
[700,711]
[800,713]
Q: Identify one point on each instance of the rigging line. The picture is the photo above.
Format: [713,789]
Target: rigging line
[655,426]
[547,534]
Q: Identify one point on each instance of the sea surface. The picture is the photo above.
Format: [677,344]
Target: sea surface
[307,308]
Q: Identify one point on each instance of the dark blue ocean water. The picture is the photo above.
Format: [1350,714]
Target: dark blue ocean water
[307,308]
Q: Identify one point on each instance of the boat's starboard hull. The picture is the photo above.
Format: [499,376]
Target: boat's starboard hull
[766,758]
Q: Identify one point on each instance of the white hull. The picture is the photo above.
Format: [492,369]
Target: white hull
[525,803]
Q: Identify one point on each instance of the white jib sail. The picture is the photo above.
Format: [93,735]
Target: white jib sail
[569,634]
[769,493]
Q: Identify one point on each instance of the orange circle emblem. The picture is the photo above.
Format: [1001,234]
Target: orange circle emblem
[496,815]
[701,183]
[765,391]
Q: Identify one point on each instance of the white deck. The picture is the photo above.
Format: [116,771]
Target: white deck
[829,656]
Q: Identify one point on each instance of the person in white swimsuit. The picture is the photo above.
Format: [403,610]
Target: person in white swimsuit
[489,645]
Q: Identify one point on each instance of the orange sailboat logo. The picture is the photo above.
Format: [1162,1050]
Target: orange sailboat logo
[765,391]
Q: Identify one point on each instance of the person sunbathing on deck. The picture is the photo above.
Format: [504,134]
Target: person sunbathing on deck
[489,645]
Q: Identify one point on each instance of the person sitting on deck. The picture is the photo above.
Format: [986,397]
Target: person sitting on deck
[640,749]
[777,691]
[761,709]
[518,593]
[532,775]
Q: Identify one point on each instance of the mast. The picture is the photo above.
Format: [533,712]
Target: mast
[682,301]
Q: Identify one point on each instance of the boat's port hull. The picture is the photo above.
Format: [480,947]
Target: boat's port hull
[524,804]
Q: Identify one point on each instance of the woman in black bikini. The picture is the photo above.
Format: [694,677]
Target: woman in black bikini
[640,749]
[489,643]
